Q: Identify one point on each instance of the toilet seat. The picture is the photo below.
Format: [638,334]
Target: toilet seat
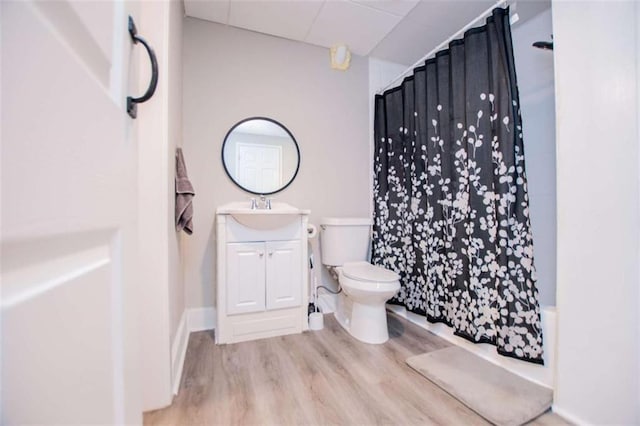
[364,271]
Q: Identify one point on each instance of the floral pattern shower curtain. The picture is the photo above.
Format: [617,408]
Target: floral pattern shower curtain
[451,203]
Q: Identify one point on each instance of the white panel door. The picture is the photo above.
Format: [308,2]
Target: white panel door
[245,277]
[259,166]
[68,214]
[284,274]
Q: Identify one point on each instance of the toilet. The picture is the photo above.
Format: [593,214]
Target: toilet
[344,243]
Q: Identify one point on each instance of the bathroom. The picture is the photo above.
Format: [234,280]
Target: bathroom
[214,75]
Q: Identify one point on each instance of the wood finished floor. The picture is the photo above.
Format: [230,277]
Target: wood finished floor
[315,378]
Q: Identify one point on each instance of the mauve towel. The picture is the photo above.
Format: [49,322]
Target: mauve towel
[184,196]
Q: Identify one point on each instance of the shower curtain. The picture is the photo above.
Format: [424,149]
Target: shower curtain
[450,194]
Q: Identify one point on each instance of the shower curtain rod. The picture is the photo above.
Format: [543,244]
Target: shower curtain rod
[444,43]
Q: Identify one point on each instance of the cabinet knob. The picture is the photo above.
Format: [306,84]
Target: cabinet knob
[270,253]
[261,254]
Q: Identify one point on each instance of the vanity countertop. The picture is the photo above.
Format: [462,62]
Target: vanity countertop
[243,207]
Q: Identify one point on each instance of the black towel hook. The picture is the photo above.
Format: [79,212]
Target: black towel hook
[132,107]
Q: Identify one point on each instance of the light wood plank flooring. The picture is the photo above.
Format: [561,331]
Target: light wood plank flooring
[314,378]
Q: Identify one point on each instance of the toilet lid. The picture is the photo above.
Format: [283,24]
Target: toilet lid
[364,271]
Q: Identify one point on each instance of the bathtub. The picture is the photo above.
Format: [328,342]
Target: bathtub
[541,374]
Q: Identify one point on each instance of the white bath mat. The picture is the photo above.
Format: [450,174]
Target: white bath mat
[491,391]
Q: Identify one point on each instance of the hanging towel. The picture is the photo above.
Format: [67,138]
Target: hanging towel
[184,196]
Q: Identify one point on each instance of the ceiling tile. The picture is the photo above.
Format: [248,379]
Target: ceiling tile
[288,19]
[216,10]
[426,26]
[412,39]
[395,7]
[368,27]
[360,27]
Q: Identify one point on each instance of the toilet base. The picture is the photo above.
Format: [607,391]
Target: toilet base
[367,323]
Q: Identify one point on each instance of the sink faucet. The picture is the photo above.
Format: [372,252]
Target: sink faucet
[263,203]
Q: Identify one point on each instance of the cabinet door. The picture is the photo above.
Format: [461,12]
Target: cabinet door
[245,277]
[284,274]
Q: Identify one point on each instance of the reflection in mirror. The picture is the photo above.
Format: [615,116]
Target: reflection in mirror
[260,155]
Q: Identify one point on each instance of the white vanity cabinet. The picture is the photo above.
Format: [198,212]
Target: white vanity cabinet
[262,277]
[245,281]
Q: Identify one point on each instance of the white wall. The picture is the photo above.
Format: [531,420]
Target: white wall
[596,69]
[160,129]
[231,74]
[174,121]
[534,69]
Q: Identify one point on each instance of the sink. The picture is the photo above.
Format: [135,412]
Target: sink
[280,214]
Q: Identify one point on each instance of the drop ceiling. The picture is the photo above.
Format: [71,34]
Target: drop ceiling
[398,31]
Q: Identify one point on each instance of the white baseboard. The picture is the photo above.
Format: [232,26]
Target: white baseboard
[178,352]
[199,319]
[193,319]
[572,418]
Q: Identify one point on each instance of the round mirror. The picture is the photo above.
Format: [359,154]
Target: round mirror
[260,155]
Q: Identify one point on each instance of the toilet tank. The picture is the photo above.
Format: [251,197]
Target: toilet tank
[344,239]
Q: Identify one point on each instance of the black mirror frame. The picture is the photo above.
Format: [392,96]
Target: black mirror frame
[295,142]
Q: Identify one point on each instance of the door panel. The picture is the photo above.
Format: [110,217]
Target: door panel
[284,274]
[69,190]
[245,277]
[57,333]
[259,166]
[67,160]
